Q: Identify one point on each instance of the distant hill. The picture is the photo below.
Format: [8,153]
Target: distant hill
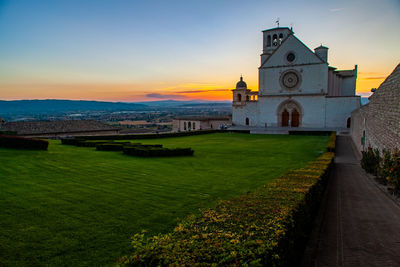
[50,105]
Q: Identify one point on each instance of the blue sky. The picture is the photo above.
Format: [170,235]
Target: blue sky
[128,50]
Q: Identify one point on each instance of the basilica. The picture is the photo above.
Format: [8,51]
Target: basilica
[297,87]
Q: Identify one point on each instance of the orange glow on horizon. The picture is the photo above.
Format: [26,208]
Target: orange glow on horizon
[152,91]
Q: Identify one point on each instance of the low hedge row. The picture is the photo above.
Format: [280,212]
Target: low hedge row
[153,151]
[149,136]
[310,132]
[19,142]
[268,227]
[133,149]
[112,146]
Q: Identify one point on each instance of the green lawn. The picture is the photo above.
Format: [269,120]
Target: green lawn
[77,206]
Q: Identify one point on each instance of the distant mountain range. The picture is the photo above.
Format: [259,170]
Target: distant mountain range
[58,106]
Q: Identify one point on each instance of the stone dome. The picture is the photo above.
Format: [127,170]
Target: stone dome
[241,83]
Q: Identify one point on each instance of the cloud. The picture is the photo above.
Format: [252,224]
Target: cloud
[203,91]
[165,96]
[336,9]
[374,78]
[365,94]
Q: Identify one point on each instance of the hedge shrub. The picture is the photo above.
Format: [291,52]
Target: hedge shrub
[111,146]
[268,227]
[149,136]
[19,142]
[71,141]
[370,160]
[154,151]
[87,143]
[385,167]
[310,133]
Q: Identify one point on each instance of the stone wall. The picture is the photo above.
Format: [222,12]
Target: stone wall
[377,124]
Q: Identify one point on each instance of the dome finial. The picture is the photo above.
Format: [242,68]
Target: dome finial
[241,83]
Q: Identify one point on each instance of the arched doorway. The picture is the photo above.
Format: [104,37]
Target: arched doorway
[295,118]
[348,124]
[289,113]
[247,121]
[285,118]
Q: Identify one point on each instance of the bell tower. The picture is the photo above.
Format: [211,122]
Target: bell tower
[272,39]
[240,95]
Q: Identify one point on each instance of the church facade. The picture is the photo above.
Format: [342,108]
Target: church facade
[297,87]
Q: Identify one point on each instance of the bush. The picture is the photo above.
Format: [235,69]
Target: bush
[87,143]
[389,169]
[156,151]
[149,136]
[385,167]
[310,133]
[370,160]
[268,227]
[19,142]
[111,146]
[71,141]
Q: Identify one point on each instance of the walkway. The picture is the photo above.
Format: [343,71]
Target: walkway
[359,225]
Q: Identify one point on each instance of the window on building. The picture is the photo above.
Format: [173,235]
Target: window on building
[247,121]
[189,125]
[247,98]
[275,40]
[194,126]
[269,41]
[280,38]
[239,97]
[184,125]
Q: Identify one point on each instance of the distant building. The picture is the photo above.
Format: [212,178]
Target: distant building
[194,123]
[54,129]
[297,87]
[377,124]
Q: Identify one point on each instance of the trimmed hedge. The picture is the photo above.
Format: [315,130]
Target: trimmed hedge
[154,151]
[19,142]
[71,141]
[149,136]
[111,146]
[310,132]
[268,227]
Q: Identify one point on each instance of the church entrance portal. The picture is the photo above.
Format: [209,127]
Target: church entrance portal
[289,113]
[285,118]
[295,118]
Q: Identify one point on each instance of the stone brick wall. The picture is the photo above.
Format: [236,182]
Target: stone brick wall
[378,122]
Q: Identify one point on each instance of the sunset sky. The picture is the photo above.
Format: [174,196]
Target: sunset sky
[135,50]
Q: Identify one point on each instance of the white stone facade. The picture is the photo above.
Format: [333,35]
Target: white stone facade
[297,88]
[185,124]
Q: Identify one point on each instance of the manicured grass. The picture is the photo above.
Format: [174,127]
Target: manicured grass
[77,206]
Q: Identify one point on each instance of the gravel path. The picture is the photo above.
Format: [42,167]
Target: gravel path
[358,224]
